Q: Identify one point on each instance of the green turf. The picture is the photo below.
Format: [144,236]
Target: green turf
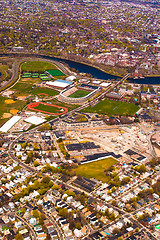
[55,72]
[96,169]
[37,66]
[50,92]
[48,108]
[111,107]
[79,94]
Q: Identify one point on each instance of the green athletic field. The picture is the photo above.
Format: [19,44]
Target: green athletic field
[50,92]
[55,72]
[79,94]
[48,108]
[96,169]
[111,107]
[37,66]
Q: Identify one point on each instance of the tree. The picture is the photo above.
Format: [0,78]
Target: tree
[156,187]
[12,178]
[35,147]
[35,213]
[55,187]
[42,218]
[78,225]
[45,180]
[23,210]
[24,145]
[141,168]
[63,212]
[71,224]
[116,231]
[140,217]
[113,189]
[120,238]
[44,127]
[19,237]
[125,180]
[36,163]
[70,193]
[112,217]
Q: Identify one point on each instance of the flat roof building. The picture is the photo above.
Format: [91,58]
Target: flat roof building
[10,123]
[62,84]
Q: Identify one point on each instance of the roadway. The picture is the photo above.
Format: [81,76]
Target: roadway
[49,216]
[124,214]
[33,234]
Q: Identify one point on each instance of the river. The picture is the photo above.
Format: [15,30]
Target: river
[84,68]
[97,73]
[146,80]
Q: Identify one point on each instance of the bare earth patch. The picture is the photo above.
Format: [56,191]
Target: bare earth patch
[6,115]
[13,111]
[21,98]
[9,101]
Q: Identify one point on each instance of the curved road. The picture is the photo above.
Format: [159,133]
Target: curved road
[15,68]
[34,237]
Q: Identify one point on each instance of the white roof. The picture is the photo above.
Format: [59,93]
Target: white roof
[58,84]
[96,82]
[104,84]
[71,78]
[10,123]
[35,120]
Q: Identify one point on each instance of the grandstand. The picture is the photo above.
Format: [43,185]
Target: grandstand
[64,95]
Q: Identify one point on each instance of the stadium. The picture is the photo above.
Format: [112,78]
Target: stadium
[79,94]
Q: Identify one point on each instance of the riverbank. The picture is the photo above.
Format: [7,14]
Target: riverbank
[152,76]
[89,64]
[146,80]
[85,67]
[60,58]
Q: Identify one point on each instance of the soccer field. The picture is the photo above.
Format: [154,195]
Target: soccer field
[111,107]
[55,72]
[37,66]
[47,108]
[79,94]
[96,169]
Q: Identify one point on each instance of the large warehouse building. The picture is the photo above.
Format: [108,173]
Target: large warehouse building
[61,84]
[10,123]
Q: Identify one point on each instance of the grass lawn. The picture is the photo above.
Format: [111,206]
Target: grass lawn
[37,66]
[50,92]
[48,108]
[5,108]
[69,106]
[55,72]
[111,107]
[79,94]
[96,169]
[22,88]
[3,71]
